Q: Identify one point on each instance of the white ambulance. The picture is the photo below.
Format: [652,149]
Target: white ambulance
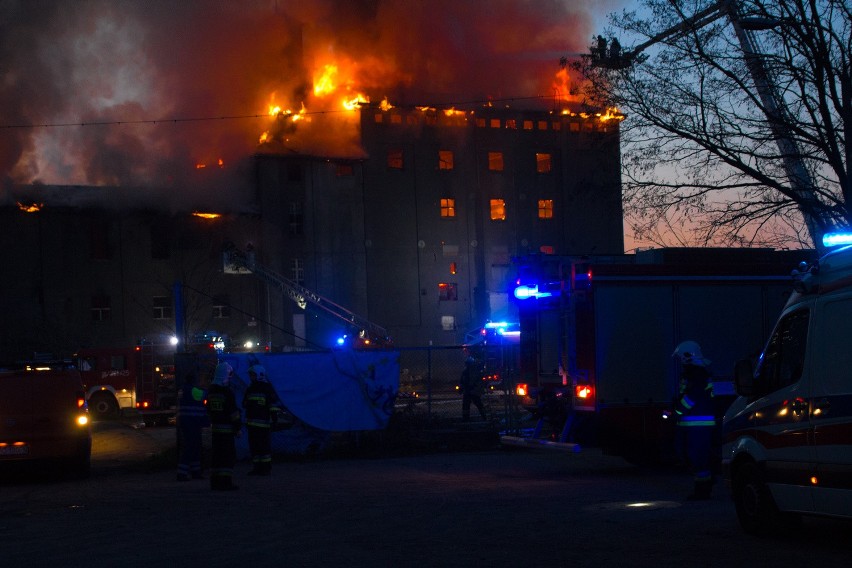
[787,439]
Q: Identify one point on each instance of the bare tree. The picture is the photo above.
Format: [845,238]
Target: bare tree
[719,117]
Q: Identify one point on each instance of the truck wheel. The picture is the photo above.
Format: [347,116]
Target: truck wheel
[103,406]
[756,509]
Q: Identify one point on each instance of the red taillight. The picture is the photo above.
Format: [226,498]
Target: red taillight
[143,404]
[81,402]
[583,391]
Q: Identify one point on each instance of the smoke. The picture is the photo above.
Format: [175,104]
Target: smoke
[141,94]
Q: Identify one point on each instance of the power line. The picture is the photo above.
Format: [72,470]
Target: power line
[179,120]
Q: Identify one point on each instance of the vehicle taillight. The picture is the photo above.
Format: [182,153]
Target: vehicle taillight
[81,403]
[584,397]
[143,404]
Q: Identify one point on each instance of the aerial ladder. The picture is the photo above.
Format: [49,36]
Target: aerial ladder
[802,188]
[369,333]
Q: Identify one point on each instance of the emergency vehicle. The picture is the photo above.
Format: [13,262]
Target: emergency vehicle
[597,335]
[137,380]
[788,437]
[43,417]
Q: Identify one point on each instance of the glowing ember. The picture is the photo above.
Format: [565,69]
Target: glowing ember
[30,208]
[206,215]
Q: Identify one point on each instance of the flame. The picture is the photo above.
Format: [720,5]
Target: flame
[357,101]
[325,82]
[206,215]
[31,208]
[385,105]
[612,113]
[200,166]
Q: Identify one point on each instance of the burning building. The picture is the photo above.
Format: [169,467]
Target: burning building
[381,165]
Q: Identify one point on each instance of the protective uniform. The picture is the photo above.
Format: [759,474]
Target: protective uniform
[696,417]
[471,387]
[225,426]
[191,418]
[261,405]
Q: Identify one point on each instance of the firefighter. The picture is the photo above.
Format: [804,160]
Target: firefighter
[471,387]
[262,406]
[191,418]
[225,425]
[696,419]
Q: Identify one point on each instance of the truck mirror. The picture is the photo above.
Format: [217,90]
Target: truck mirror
[744,377]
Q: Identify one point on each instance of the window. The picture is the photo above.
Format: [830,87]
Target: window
[545,209]
[99,239]
[784,359]
[445,159]
[296,219]
[101,310]
[396,118]
[294,172]
[221,307]
[297,271]
[528,125]
[163,308]
[480,122]
[448,207]
[395,159]
[542,125]
[542,162]
[378,118]
[495,161]
[494,123]
[498,210]
[161,238]
[448,323]
[448,291]
[344,170]
[511,123]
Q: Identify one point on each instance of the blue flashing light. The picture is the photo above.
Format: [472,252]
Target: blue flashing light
[341,340]
[524,292]
[836,239]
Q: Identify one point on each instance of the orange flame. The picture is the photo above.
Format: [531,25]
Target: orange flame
[357,101]
[325,82]
[206,215]
[31,208]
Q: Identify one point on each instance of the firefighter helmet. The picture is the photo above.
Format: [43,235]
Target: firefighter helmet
[689,353]
[222,374]
[257,372]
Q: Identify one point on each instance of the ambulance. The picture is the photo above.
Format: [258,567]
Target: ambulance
[787,438]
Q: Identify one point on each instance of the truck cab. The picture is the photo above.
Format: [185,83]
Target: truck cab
[787,438]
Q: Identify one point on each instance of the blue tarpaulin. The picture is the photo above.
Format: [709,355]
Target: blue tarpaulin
[332,391]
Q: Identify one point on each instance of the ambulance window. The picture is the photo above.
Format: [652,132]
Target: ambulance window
[784,358]
[834,359]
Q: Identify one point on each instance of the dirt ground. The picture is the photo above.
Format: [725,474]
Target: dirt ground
[494,507]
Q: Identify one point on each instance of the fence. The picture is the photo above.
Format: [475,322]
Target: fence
[430,398]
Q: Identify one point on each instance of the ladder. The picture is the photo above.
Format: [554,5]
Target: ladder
[302,296]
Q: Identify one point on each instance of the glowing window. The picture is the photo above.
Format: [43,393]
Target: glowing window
[445,159]
[498,210]
[545,209]
[542,162]
[378,118]
[448,207]
[574,127]
[557,126]
[528,125]
[395,159]
[448,323]
[495,161]
[480,122]
[542,125]
[396,118]
[448,291]
[512,124]
[494,123]
[453,268]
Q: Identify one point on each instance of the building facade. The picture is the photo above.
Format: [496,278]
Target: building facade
[415,234]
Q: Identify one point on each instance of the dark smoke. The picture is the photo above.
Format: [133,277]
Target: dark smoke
[138,74]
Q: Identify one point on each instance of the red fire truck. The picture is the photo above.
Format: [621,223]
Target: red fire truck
[138,380]
[598,333]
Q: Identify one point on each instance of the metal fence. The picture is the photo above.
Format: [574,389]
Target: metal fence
[429,397]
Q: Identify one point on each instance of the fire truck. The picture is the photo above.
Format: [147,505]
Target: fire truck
[139,380]
[597,334]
